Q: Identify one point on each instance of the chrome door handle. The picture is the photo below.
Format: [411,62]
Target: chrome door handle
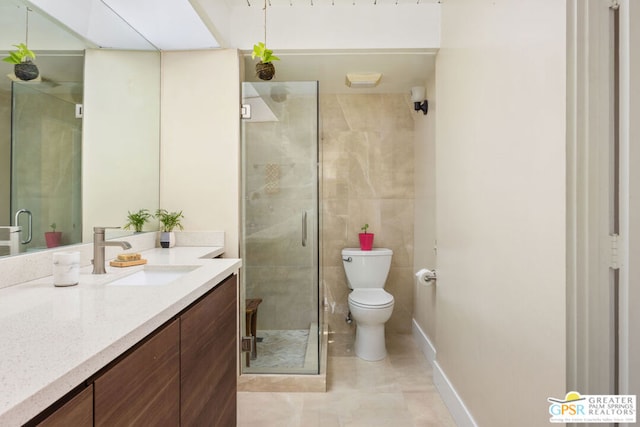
[30,228]
[304,228]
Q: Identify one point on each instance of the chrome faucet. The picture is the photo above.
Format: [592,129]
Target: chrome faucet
[98,248]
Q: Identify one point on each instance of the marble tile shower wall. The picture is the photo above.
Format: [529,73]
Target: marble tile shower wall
[367,169]
[280,182]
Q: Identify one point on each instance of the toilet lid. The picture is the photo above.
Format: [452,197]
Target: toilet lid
[371,297]
[372,252]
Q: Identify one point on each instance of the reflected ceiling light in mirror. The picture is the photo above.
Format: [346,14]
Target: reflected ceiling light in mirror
[168,25]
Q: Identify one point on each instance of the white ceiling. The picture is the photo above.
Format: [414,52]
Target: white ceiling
[235,3]
[326,39]
[401,67]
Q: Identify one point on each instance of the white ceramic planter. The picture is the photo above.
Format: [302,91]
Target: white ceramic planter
[167,239]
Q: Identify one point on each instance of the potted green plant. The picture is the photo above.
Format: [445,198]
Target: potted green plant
[168,222]
[53,238]
[366,239]
[23,68]
[265,70]
[136,220]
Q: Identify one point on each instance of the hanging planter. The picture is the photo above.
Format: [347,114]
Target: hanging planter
[24,68]
[265,70]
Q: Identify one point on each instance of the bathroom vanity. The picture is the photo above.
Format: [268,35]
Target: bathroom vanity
[126,346]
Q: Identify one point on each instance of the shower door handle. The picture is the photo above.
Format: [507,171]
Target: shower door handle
[30,228]
[304,228]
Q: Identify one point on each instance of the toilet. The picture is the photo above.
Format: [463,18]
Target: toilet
[370,305]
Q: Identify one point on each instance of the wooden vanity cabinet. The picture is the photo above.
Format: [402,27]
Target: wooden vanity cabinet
[143,388]
[183,374]
[208,348]
[77,412]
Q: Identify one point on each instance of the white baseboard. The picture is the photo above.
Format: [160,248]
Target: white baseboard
[450,397]
[423,342]
[454,403]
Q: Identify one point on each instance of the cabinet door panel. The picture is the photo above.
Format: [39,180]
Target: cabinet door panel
[208,358]
[142,388]
[77,412]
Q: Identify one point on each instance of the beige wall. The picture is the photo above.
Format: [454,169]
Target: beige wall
[500,185]
[367,168]
[424,253]
[120,134]
[200,140]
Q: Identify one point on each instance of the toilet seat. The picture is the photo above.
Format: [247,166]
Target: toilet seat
[371,298]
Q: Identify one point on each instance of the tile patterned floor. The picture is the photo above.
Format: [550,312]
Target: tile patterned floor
[395,392]
[270,354]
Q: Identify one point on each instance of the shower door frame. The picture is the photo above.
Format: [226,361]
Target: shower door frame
[314,227]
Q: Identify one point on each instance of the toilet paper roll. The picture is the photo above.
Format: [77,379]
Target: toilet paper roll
[425,276]
[66,268]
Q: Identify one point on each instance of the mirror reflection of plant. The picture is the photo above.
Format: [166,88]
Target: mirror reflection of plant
[23,54]
[137,219]
[169,220]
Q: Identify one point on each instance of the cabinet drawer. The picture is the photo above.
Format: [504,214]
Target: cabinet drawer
[142,388]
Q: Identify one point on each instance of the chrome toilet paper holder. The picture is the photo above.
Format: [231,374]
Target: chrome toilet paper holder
[427,275]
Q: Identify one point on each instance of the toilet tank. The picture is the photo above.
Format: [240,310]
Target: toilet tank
[366,269]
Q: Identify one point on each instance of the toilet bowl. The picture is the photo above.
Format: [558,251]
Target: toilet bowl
[370,305]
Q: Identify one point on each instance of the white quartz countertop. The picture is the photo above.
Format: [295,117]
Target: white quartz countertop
[54,338]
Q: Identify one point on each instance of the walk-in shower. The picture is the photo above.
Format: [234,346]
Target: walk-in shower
[280,223]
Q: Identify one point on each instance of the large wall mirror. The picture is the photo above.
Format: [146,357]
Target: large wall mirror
[79,146]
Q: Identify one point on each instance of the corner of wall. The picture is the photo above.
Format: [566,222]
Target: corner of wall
[200,140]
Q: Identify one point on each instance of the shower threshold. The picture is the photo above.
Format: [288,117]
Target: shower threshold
[303,378]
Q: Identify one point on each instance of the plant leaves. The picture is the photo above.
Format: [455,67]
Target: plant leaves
[260,51]
[18,56]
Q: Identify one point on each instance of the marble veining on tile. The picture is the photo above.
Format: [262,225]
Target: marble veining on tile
[367,177]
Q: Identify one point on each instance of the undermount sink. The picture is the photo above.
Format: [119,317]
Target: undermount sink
[153,276]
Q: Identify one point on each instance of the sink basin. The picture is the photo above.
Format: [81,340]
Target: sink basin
[153,276]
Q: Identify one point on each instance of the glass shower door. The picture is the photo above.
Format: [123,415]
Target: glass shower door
[46,144]
[279,243]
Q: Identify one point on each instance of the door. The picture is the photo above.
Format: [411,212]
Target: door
[279,243]
[602,279]
[46,140]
